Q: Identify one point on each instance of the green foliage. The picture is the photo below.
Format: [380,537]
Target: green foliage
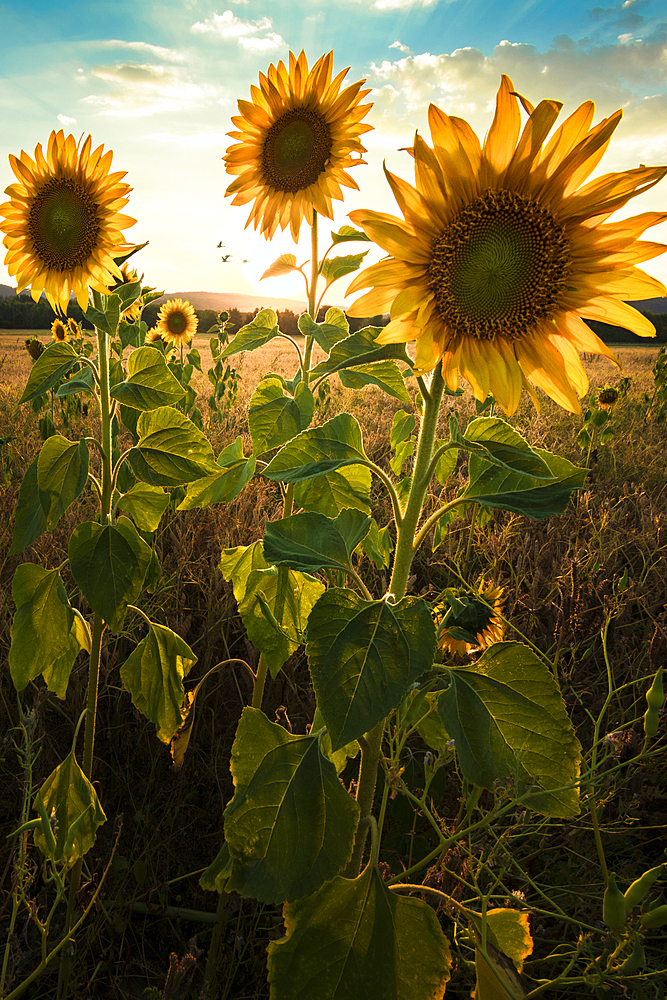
[70,798]
[291,824]
[355,938]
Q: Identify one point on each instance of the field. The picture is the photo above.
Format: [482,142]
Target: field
[560,589]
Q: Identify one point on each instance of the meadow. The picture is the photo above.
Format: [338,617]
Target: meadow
[587,589]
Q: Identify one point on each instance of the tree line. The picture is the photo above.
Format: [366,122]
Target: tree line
[19,312]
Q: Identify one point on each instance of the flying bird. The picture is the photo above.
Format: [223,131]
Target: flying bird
[220,244]
[225,258]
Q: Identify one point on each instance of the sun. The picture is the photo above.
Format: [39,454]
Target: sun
[503,252]
[63,222]
[296,141]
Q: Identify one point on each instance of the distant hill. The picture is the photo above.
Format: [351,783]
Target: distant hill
[236,300]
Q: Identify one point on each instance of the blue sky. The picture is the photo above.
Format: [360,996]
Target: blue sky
[157,83]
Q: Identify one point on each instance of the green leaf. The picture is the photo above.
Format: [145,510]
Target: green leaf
[253,578]
[364,656]
[62,470]
[338,758]
[507,717]
[507,447]
[132,334]
[42,626]
[498,487]
[83,381]
[291,824]
[236,472]
[274,417]
[334,328]
[215,877]
[378,545]
[508,931]
[128,293]
[171,451]
[384,374]
[285,264]
[360,349]
[349,487]
[263,328]
[403,452]
[309,541]
[107,319]
[109,564]
[357,940]
[402,427]
[29,521]
[145,504]
[68,796]
[446,463]
[318,451]
[336,267]
[347,234]
[153,675]
[53,364]
[150,384]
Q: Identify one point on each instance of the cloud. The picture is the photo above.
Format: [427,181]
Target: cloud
[167,55]
[401,48]
[253,36]
[66,120]
[402,4]
[143,89]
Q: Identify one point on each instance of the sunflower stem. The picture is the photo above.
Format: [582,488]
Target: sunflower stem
[312,297]
[98,625]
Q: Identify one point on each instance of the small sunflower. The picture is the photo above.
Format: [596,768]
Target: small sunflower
[62,222]
[129,277]
[469,618]
[176,322]
[74,328]
[34,347]
[607,398]
[296,139]
[502,254]
[59,331]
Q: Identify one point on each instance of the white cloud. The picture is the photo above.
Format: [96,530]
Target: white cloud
[269,43]
[66,120]
[147,90]
[228,25]
[401,48]
[402,4]
[167,55]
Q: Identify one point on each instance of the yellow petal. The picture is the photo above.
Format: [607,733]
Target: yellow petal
[504,132]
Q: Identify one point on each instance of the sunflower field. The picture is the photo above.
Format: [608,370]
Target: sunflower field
[340,676]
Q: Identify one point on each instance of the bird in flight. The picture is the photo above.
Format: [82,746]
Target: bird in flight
[225,258]
[220,244]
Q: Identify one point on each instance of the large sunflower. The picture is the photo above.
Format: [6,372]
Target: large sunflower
[176,322]
[296,138]
[63,223]
[502,252]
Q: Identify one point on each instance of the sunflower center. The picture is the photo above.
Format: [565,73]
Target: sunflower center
[63,224]
[176,322]
[499,267]
[296,150]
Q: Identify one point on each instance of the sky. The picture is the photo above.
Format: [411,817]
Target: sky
[156,81]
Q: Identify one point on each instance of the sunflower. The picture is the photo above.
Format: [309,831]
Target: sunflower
[74,328]
[59,331]
[176,322]
[130,277]
[607,398]
[469,618]
[63,223]
[296,139]
[502,254]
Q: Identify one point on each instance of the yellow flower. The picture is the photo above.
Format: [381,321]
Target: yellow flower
[502,253]
[63,223]
[296,138]
[59,331]
[176,322]
[607,398]
[470,614]
[73,327]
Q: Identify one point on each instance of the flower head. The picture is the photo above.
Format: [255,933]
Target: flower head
[607,398]
[130,277]
[63,221]
[295,142]
[469,617]
[74,328]
[34,347]
[59,331]
[176,322]
[502,253]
